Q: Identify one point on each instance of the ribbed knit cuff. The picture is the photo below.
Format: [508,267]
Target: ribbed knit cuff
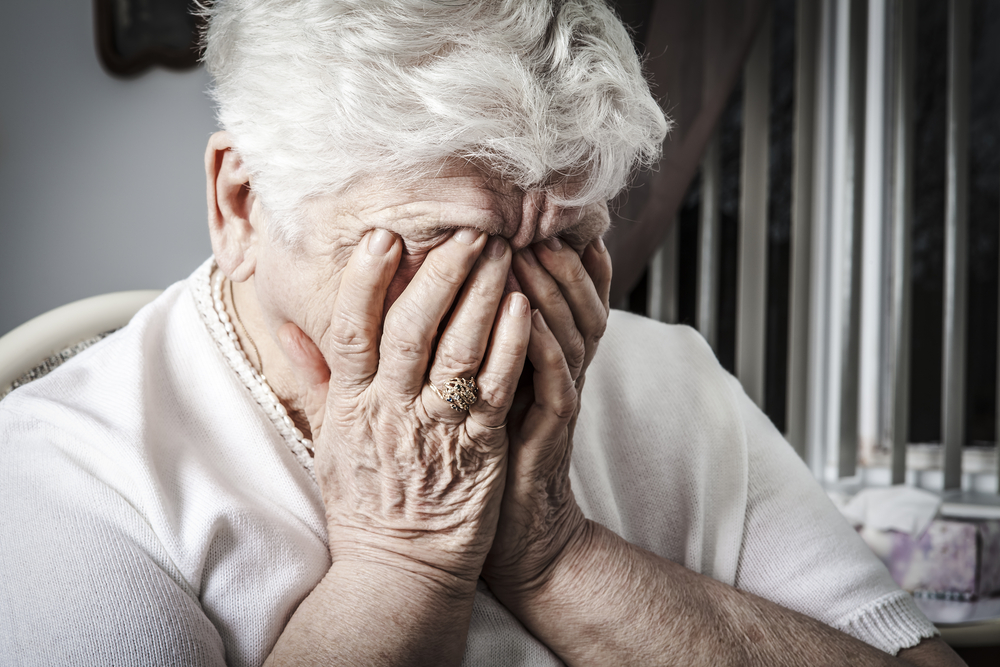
[891,623]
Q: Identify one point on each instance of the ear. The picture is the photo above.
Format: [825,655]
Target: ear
[230,203]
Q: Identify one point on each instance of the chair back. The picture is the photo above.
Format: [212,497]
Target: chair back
[47,340]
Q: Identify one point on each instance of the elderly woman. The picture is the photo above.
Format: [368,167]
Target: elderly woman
[358,435]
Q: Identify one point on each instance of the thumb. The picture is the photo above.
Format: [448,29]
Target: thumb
[310,370]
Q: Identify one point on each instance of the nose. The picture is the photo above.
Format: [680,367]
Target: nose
[541,218]
[533,204]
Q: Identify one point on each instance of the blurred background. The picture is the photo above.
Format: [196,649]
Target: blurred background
[826,214]
[101,178]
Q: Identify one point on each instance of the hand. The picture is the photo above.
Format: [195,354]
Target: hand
[539,517]
[406,480]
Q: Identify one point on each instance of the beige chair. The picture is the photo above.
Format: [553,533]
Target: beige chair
[41,344]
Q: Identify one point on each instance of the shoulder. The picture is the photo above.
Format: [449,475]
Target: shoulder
[104,386]
[134,480]
[660,448]
[631,334]
[78,435]
[642,361]
[98,438]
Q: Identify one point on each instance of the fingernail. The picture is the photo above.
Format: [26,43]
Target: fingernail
[496,248]
[518,305]
[467,236]
[553,243]
[599,245]
[380,241]
[538,321]
[529,257]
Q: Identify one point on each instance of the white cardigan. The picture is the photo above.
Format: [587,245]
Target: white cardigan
[151,512]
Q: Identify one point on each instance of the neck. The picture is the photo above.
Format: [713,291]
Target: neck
[262,350]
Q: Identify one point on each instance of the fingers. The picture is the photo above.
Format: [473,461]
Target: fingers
[546,296]
[555,395]
[572,293]
[597,261]
[412,322]
[463,343]
[501,369]
[351,341]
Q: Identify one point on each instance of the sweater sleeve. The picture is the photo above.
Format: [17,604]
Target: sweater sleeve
[84,579]
[799,552]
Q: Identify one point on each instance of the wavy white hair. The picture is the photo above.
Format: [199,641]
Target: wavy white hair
[321,93]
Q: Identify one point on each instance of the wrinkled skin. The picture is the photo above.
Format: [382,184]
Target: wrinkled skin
[395,285]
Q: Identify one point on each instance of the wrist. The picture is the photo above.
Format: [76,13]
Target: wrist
[420,585]
[441,563]
[536,575]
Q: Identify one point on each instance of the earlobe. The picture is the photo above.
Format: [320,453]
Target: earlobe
[230,207]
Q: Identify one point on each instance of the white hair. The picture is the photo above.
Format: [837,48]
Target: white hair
[319,94]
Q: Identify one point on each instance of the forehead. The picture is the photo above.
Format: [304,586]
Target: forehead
[454,197]
[459,195]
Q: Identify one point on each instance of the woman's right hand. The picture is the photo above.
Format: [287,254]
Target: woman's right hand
[407,481]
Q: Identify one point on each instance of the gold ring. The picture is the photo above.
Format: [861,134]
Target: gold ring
[461,393]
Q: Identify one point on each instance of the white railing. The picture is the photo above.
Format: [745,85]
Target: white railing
[852,211]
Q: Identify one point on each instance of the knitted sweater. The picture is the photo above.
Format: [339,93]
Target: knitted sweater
[154,510]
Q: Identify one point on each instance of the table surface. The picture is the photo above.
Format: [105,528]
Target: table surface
[952,612]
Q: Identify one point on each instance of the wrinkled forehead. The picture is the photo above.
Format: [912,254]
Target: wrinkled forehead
[463,196]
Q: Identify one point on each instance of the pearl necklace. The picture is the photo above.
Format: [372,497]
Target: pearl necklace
[224,332]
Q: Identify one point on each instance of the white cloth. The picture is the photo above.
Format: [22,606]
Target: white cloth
[901,508]
[152,513]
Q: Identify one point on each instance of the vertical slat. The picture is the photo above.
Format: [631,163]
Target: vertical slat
[818,358]
[852,298]
[844,220]
[662,299]
[708,243]
[897,398]
[876,223]
[838,225]
[752,286]
[956,235]
[832,397]
[806,45]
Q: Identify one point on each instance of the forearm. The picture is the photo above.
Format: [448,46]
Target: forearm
[364,614]
[610,602]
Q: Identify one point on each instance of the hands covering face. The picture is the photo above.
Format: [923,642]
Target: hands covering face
[407,480]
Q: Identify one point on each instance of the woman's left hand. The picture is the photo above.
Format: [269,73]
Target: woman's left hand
[539,517]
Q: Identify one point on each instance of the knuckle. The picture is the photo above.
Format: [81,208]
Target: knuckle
[404,319]
[457,355]
[594,337]
[554,357]
[496,392]
[564,405]
[348,338]
[480,285]
[576,352]
[576,275]
[497,389]
[448,274]
[550,291]
[402,350]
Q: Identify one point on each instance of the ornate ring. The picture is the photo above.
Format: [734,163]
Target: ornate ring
[461,393]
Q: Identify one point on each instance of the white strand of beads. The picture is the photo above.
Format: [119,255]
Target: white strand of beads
[213,311]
